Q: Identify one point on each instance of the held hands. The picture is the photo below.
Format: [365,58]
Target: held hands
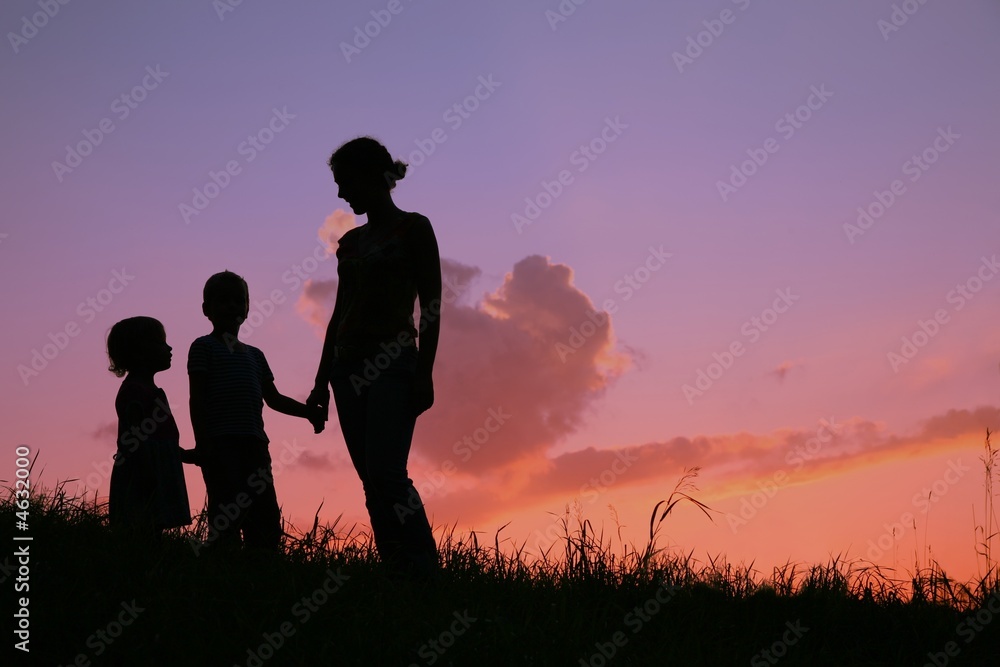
[192,456]
[318,404]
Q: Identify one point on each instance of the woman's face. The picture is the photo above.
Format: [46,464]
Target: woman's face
[357,192]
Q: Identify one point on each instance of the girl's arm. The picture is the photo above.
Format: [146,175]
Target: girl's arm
[132,439]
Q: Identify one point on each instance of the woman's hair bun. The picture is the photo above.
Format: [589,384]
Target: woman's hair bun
[368,156]
[399,167]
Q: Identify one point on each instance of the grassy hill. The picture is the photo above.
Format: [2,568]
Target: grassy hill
[97,598]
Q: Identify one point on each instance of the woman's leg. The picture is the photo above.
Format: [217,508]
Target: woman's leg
[377,420]
[350,396]
[398,510]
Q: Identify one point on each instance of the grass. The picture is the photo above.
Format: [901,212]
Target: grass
[97,598]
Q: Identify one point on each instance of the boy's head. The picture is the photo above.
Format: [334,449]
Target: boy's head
[138,342]
[226,299]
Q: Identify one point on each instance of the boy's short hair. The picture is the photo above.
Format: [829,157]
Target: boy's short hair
[125,340]
[219,282]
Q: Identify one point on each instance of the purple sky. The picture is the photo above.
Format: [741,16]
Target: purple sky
[890,95]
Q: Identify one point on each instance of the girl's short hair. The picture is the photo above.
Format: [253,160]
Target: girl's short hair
[371,160]
[126,339]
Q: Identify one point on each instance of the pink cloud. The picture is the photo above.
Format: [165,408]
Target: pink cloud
[515,371]
[315,303]
[334,226]
[784,368]
[729,463]
[105,431]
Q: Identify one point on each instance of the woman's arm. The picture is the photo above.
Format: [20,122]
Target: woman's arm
[428,279]
[320,395]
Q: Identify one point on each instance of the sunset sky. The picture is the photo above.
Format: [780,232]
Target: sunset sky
[749,236]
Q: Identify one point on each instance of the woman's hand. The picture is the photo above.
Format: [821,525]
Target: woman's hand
[319,402]
[423,393]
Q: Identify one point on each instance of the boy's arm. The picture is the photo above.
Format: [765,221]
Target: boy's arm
[284,404]
[316,414]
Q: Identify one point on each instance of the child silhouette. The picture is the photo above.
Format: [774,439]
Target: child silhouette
[148,493]
[230,381]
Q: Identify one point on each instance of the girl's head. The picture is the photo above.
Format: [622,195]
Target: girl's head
[364,172]
[138,343]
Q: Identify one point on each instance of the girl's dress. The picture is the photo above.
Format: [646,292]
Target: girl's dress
[147,483]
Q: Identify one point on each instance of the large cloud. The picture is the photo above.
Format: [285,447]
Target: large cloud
[515,371]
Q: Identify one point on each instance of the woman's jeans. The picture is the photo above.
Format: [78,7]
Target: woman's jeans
[374,403]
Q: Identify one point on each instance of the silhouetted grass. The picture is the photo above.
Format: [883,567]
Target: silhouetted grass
[566,607]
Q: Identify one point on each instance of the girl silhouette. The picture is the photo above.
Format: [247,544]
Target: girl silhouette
[381,379]
[148,493]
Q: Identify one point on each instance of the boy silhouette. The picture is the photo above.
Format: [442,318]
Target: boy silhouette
[230,381]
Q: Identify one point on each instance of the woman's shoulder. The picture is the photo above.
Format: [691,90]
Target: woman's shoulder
[416,218]
[348,242]
[416,223]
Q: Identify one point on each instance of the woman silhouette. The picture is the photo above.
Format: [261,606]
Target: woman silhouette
[380,379]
